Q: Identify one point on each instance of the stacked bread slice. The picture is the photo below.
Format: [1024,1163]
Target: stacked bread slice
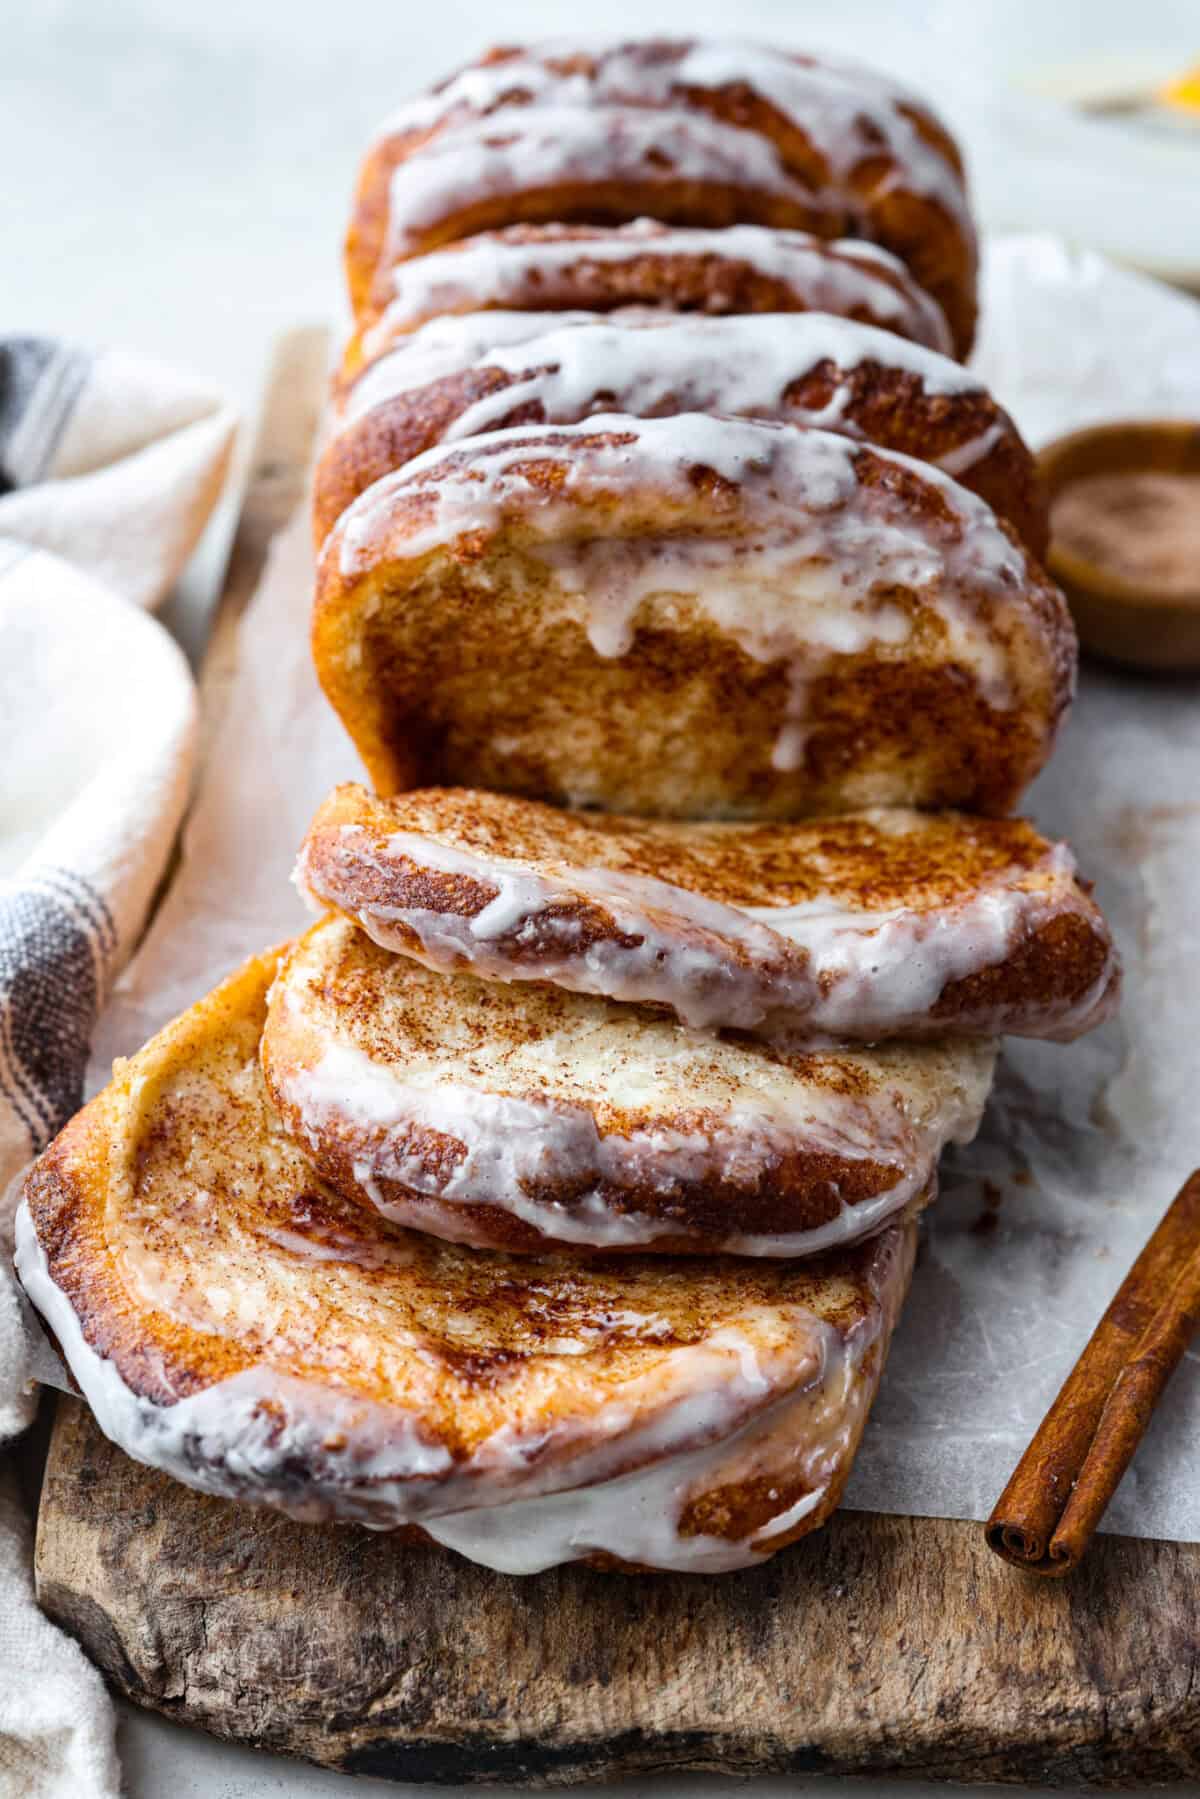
[555,1194]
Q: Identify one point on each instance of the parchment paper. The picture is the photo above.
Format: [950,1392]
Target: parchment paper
[1083,1146]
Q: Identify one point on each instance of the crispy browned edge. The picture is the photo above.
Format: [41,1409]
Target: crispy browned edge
[737,1509]
[656,273]
[912,226]
[65,1190]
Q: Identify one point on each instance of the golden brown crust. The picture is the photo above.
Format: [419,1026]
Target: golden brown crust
[873,195]
[712,204]
[71,1186]
[1067,955]
[493,1227]
[509,693]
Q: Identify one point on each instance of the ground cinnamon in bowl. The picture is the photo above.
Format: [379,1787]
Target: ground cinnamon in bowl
[1124,502]
[1141,526]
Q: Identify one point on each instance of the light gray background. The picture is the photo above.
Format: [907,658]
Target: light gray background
[175,178]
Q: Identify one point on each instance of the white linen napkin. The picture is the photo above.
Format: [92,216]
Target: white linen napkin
[110,465]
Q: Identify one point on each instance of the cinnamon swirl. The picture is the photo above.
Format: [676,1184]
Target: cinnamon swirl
[524,1117]
[690,617]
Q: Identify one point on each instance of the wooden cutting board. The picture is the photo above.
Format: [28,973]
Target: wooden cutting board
[879,1645]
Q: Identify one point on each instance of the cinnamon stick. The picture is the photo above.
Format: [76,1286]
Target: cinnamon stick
[1044,1519]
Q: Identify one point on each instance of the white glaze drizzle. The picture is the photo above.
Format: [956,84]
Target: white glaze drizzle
[657,364]
[836,276]
[811,584]
[509,153]
[860,974]
[447,346]
[318,1453]
[847,112]
[883,972]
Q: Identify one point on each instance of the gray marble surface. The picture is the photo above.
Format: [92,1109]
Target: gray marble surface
[176,177]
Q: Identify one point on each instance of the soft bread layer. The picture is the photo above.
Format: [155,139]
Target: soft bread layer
[231,1320]
[693,133]
[876,925]
[744,268]
[690,617]
[525,1116]
[464,376]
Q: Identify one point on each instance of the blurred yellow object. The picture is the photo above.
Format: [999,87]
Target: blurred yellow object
[1183,91]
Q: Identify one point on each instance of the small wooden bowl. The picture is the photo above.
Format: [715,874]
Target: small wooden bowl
[1130,623]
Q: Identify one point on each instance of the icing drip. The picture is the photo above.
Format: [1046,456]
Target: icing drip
[656,365]
[637,1518]
[813,582]
[823,969]
[446,346]
[964,456]
[839,276]
[507,153]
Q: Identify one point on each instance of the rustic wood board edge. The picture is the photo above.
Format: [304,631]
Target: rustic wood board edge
[879,1645]
[897,1645]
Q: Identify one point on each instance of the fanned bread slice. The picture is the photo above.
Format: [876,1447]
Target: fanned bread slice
[874,925]
[232,1321]
[523,1116]
[462,377]
[690,617]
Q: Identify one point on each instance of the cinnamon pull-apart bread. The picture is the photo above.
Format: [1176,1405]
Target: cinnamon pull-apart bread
[468,375]
[230,1319]
[596,268]
[692,617]
[692,133]
[874,925]
[523,1116]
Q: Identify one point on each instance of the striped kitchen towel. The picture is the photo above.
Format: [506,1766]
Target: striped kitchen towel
[110,465]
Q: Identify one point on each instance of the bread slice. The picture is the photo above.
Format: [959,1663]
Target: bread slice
[461,377]
[603,268]
[230,1319]
[875,925]
[690,617]
[523,1116]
